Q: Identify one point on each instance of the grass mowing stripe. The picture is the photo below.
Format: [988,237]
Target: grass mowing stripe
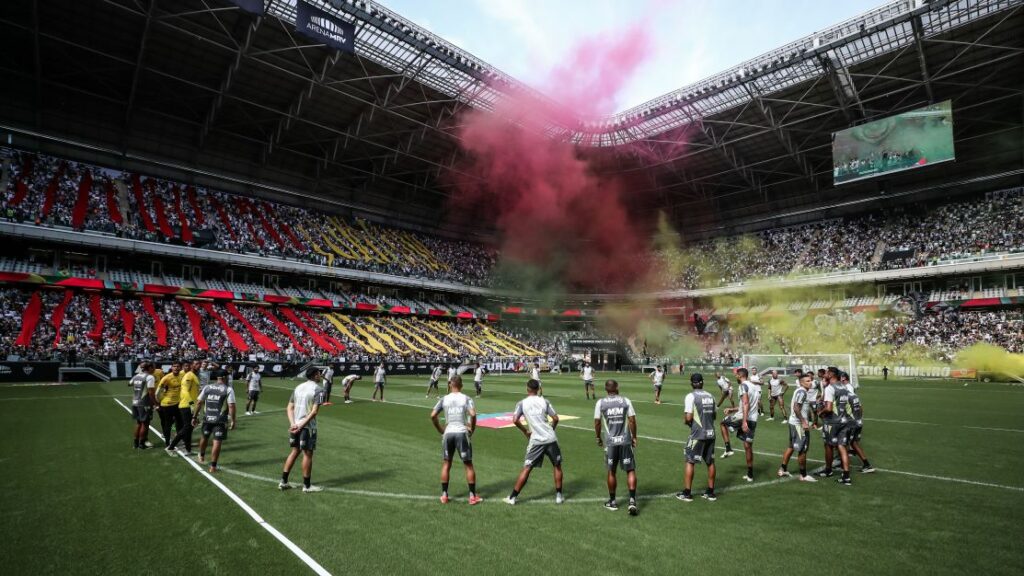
[299,552]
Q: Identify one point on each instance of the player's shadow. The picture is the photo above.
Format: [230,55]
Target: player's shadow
[365,476]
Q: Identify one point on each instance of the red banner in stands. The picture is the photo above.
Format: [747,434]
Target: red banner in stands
[81,208]
[367,306]
[572,313]
[58,315]
[113,209]
[158,322]
[316,336]
[319,303]
[268,227]
[258,336]
[291,235]
[244,209]
[975,302]
[217,294]
[313,325]
[219,209]
[128,320]
[20,192]
[196,323]
[51,191]
[186,230]
[436,312]
[233,336]
[193,201]
[81,283]
[492,318]
[29,320]
[16,277]
[464,315]
[161,211]
[401,310]
[97,315]
[160,289]
[512,310]
[275,299]
[140,204]
[283,329]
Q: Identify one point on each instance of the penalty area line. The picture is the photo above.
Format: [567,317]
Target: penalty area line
[299,552]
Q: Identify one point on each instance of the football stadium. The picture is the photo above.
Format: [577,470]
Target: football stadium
[395,287]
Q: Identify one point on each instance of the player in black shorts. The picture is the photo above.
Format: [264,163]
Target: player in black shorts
[216,408]
[699,414]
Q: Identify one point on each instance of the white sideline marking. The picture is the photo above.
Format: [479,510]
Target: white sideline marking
[299,552]
[54,397]
[996,429]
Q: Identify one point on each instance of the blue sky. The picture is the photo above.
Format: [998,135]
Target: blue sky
[692,40]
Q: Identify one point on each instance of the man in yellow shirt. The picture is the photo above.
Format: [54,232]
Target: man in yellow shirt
[168,393]
[187,405]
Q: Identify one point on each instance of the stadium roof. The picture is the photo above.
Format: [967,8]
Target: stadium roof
[210,86]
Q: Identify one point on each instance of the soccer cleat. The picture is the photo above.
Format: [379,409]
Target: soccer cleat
[748,478]
[845,482]
[509,500]
[254,412]
[185,453]
[212,470]
[611,505]
[783,473]
[328,403]
[171,451]
[867,470]
[444,498]
[684,497]
[312,488]
[142,447]
[284,486]
[825,474]
[710,496]
[148,444]
[633,510]
[559,498]
[808,478]
[247,413]
[474,500]
[348,401]
[770,418]
[727,453]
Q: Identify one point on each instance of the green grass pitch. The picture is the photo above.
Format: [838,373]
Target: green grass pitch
[949,496]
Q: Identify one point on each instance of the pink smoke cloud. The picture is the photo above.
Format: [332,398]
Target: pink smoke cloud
[551,208]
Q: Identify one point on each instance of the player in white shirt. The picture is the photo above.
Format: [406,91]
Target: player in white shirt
[535,375]
[536,410]
[777,391]
[302,409]
[253,387]
[143,387]
[726,388]
[587,374]
[743,420]
[346,386]
[379,380]
[453,371]
[460,422]
[435,375]
[658,378]
[478,379]
[799,429]
[755,378]
[328,384]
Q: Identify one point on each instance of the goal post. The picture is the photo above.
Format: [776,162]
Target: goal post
[786,364]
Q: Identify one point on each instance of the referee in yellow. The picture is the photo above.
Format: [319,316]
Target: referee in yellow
[168,393]
[187,405]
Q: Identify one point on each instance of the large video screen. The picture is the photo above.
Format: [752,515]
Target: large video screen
[913,139]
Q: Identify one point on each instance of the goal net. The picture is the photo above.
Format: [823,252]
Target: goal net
[787,364]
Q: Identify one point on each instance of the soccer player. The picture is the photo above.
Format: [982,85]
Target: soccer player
[755,378]
[800,409]
[460,422]
[536,410]
[186,406]
[777,390]
[478,379]
[328,384]
[699,414]
[143,399]
[836,425]
[535,375]
[379,379]
[587,374]
[302,409]
[435,375]
[346,384]
[619,441]
[658,378]
[726,388]
[204,374]
[857,426]
[814,397]
[168,392]
[743,420]
[216,406]
[253,388]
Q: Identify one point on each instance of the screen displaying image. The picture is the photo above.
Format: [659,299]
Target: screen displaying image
[920,137]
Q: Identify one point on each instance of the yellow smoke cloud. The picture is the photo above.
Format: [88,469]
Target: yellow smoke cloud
[990,358]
